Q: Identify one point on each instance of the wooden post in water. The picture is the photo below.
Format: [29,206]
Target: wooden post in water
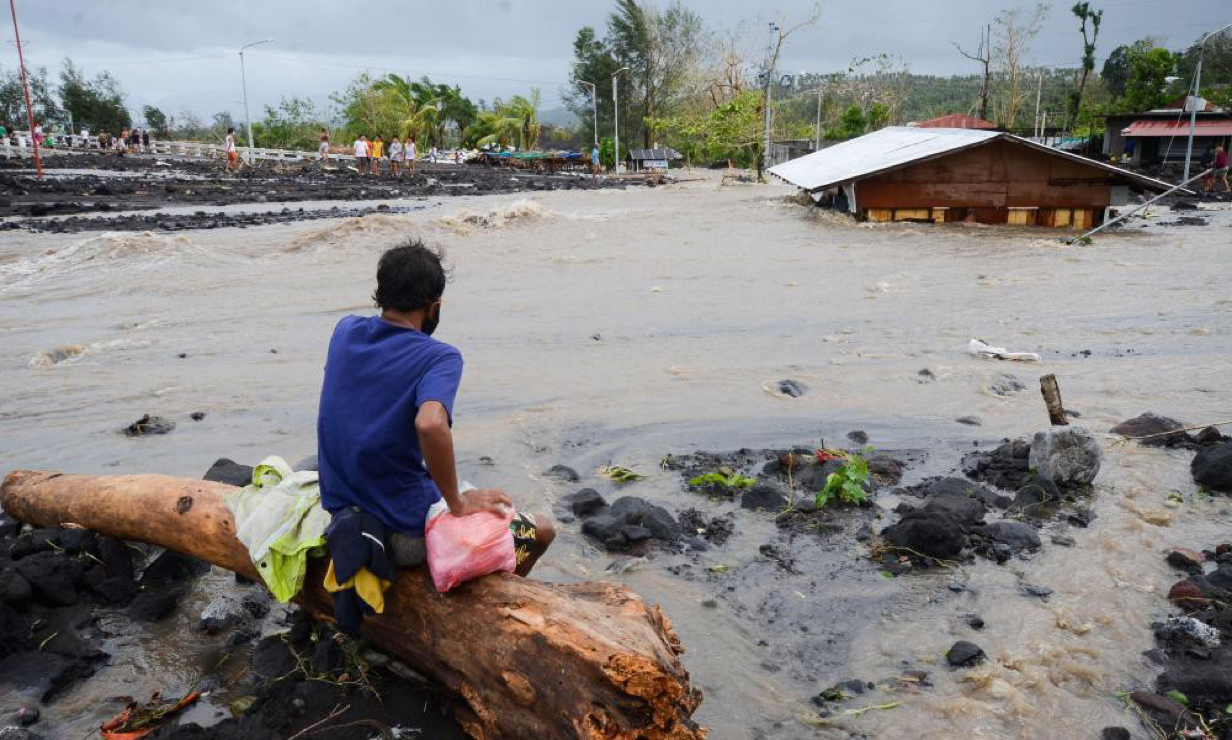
[1052,398]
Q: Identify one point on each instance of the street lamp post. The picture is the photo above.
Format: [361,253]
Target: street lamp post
[244,83]
[594,107]
[817,125]
[616,115]
[1193,100]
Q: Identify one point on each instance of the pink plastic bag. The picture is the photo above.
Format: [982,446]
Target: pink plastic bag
[463,548]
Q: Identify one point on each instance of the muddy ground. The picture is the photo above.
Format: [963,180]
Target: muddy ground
[68,597]
[85,192]
[279,672]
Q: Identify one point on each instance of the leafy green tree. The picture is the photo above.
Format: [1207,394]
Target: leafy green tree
[661,49]
[878,116]
[853,123]
[732,132]
[294,124]
[515,123]
[13,99]
[1117,66]
[592,62]
[1216,67]
[368,110]
[1147,84]
[155,119]
[607,153]
[96,103]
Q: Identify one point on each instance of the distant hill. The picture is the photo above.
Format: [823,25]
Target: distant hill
[562,117]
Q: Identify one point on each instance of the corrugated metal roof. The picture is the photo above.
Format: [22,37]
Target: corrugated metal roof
[898,146]
[663,153]
[1178,128]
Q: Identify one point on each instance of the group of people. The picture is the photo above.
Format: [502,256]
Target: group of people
[369,154]
[135,141]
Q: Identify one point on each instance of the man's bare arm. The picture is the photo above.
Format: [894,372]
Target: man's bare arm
[436,443]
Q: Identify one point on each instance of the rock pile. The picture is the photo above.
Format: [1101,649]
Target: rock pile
[630,523]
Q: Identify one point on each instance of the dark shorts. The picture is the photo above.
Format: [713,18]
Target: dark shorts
[410,551]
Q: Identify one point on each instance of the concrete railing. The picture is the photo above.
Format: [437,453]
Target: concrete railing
[20,144]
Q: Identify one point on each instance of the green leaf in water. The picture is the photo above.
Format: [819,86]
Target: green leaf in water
[1175,695]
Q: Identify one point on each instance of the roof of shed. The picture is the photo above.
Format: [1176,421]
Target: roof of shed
[664,153]
[896,147]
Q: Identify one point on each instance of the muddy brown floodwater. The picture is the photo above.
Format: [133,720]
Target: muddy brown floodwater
[620,326]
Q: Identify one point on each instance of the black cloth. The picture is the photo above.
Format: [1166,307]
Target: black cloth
[356,540]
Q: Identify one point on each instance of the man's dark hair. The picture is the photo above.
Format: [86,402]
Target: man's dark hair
[410,276]
[230,130]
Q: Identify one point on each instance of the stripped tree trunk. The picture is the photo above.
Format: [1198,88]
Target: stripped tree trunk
[1052,399]
[531,659]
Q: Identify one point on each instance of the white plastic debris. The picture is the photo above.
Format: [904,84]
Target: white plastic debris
[980,348]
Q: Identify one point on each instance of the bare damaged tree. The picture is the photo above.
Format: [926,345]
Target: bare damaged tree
[1013,35]
[1084,13]
[983,55]
[781,32]
[729,71]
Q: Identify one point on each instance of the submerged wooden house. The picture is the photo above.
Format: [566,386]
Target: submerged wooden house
[952,174]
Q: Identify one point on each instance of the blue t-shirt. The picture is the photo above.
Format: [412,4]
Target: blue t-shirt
[377,375]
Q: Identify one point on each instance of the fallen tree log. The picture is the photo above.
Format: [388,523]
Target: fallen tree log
[530,659]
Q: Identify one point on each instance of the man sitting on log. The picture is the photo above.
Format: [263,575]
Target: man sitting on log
[383,431]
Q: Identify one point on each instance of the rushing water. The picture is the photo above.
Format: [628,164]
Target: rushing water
[623,325]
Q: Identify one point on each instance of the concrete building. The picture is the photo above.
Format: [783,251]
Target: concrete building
[943,174]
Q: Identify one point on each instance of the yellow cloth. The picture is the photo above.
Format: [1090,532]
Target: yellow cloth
[370,588]
[378,148]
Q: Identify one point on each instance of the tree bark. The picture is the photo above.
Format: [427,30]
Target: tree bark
[1052,399]
[531,659]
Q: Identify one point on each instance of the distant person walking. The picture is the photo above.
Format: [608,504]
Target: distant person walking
[134,141]
[395,157]
[361,154]
[233,156]
[378,151]
[594,160]
[1219,172]
[412,152]
[145,140]
[323,147]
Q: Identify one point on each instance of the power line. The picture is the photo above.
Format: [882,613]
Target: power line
[307,60]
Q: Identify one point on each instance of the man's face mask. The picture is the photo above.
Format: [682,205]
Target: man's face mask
[433,319]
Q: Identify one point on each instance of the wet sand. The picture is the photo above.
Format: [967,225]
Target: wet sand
[621,326]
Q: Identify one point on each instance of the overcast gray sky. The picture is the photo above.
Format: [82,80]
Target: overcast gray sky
[182,55]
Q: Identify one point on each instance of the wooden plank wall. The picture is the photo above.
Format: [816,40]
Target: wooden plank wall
[990,180]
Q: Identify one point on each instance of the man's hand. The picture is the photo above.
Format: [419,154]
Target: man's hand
[483,499]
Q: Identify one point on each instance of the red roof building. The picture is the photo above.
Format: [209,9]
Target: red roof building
[958,120]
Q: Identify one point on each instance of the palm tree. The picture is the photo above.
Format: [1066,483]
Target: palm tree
[419,112]
[515,121]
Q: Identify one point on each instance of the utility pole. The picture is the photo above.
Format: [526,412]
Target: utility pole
[616,117]
[1038,92]
[244,83]
[594,107]
[817,128]
[1193,100]
[770,63]
[25,87]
